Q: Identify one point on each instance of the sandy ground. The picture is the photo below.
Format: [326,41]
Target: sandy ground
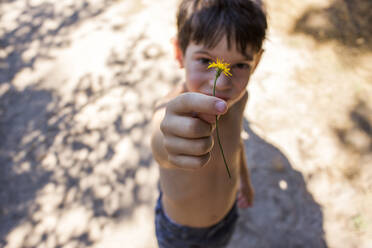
[78,80]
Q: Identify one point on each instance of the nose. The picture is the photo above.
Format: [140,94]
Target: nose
[223,83]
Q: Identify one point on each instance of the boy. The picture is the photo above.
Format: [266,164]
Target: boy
[197,202]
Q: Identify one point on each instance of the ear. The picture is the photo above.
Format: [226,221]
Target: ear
[177,51]
[257,59]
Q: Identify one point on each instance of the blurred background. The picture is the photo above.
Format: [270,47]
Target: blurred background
[78,82]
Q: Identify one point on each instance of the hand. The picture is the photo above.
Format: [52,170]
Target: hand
[187,128]
[246,193]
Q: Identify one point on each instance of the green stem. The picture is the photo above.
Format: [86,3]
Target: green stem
[218,136]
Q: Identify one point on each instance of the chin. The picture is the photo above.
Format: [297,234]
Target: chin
[232,101]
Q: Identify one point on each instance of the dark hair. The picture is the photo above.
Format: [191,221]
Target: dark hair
[207,21]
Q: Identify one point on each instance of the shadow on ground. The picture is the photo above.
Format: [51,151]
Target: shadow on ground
[19,184]
[356,139]
[40,28]
[46,161]
[71,169]
[346,21]
[284,212]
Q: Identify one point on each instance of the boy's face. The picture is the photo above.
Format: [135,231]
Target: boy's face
[201,79]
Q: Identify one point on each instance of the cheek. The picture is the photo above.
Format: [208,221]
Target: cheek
[241,79]
[240,86]
[195,80]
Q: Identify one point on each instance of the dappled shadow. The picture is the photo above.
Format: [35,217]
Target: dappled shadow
[37,29]
[346,21]
[284,213]
[70,169]
[356,139]
[20,174]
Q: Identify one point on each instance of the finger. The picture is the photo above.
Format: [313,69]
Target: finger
[211,119]
[196,102]
[186,127]
[242,204]
[245,205]
[189,162]
[240,195]
[193,147]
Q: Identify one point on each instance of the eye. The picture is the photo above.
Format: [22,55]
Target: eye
[242,66]
[204,61]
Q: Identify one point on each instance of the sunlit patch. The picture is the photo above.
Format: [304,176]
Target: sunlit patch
[19,234]
[102,191]
[138,230]
[142,175]
[283,185]
[244,135]
[23,167]
[318,20]
[125,152]
[73,222]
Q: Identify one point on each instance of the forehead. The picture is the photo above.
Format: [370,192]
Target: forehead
[222,50]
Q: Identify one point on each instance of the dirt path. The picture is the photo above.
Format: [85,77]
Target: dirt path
[78,81]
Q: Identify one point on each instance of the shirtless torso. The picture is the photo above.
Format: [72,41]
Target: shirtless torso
[203,197]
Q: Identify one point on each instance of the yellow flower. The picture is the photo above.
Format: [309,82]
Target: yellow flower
[221,67]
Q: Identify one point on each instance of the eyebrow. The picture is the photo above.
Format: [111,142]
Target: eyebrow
[248,57]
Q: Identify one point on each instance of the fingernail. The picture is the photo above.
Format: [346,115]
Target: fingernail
[221,106]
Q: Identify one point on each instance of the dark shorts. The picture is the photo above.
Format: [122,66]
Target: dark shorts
[172,235]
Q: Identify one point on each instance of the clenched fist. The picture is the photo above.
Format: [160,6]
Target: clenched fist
[187,129]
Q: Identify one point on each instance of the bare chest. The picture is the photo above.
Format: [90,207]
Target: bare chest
[229,139]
